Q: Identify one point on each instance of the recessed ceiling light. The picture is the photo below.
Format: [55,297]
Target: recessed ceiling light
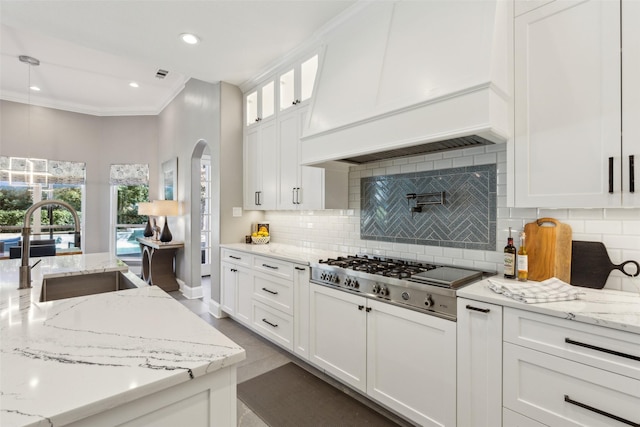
[34,88]
[134,84]
[189,38]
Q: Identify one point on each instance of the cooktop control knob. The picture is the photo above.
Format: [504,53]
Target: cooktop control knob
[428,301]
[406,296]
[384,291]
[355,283]
[376,288]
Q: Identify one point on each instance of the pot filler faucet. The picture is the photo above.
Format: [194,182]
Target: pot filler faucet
[25,269]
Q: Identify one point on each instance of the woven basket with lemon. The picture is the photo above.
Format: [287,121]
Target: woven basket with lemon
[261,236]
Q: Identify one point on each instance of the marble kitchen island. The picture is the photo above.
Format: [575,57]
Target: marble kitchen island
[130,357]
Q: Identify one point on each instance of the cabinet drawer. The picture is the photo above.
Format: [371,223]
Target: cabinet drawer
[605,348]
[513,419]
[273,324]
[274,292]
[563,393]
[273,266]
[236,257]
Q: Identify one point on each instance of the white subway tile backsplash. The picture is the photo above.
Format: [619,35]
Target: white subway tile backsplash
[339,230]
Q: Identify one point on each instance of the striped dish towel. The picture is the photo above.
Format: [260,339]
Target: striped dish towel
[550,290]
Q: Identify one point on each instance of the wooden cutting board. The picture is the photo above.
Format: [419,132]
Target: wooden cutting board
[591,265]
[548,244]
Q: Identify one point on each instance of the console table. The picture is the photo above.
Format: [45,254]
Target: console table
[158,263]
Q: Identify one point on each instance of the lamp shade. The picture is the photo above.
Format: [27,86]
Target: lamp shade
[146,208]
[166,207]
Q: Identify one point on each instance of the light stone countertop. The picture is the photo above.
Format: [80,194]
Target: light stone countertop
[289,253]
[61,361]
[608,308]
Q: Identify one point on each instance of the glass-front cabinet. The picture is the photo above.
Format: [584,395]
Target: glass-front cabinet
[296,84]
[260,104]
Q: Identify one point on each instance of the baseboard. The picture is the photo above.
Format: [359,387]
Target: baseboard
[215,310]
[188,292]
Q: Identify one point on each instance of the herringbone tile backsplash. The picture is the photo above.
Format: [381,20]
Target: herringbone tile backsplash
[466,220]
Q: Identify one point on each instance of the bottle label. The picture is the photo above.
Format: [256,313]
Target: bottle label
[509,264]
[523,263]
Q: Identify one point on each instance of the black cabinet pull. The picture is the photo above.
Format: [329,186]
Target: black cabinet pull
[482,310]
[233,270]
[604,350]
[270,266]
[270,291]
[600,411]
[255,199]
[275,325]
[361,307]
[610,174]
[234,257]
[301,268]
[632,174]
[368,309]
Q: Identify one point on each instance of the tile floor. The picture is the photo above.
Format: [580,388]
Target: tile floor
[262,356]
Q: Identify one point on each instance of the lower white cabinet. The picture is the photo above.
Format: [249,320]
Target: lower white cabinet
[338,334]
[273,324]
[301,275]
[479,390]
[560,392]
[398,357]
[514,419]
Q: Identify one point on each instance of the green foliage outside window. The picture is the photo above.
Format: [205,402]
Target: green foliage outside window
[14,201]
[128,198]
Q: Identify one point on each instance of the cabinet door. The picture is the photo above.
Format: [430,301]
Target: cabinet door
[252,168]
[338,335]
[567,105]
[228,282]
[479,350]
[244,291]
[289,139]
[301,311]
[260,167]
[411,363]
[630,99]
[269,161]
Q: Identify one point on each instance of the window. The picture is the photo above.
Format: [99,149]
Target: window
[129,186]
[25,181]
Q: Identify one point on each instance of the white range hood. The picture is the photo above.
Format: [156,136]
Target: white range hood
[408,77]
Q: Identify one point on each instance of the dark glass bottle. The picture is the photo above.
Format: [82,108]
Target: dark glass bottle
[510,258]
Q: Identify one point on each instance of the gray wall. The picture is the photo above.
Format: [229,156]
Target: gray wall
[210,114]
[97,141]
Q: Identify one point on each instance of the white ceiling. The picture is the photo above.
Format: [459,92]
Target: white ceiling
[90,50]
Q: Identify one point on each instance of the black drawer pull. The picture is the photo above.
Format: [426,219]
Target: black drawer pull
[610,174]
[270,266]
[301,268]
[601,412]
[270,291]
[269,323]
[234,257]
[632,174]
[604,350]
[233,270]
[481,310]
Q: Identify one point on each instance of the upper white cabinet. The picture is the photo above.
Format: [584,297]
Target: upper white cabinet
[260,162]
[260,103]
[296,84]
[274,177]
[574,129]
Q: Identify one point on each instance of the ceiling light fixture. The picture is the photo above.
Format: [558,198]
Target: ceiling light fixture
[134,84]
[189,38]
[34,88]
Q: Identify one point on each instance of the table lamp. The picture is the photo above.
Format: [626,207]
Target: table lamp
[166,208]
[147,208]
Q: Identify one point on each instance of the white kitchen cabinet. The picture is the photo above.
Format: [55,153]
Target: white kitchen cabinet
[236,281]
[630,99]
[410,363]
[273,324]
[260,103]
[260,166]
[338,335]
[300,187]
[301,310]
[567,100]
[479,368]
[514,419]
[297,83]
[564,373]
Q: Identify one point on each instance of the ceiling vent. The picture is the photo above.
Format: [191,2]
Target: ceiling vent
[161,74]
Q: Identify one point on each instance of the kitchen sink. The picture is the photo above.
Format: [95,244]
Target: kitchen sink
[55,288]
